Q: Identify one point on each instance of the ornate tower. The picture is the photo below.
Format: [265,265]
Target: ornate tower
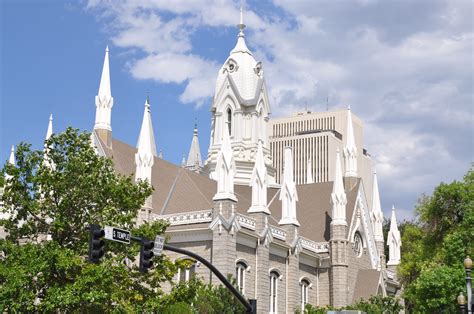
[144,159]
[259,184]
[104,102]
[338,239]
[394,242]
[241,109]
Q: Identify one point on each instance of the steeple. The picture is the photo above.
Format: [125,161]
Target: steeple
[146,147]
[288,193]
[11,161]
[309,172]
[49,132]
[240,107]
[47,162]
[144,159]
[225,171]
[376,212]
[259,183]
[350,149]
[241,46]
[104,102]
[194,162]
[394,241]
[338,195]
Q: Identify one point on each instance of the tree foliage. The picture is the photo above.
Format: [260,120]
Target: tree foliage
[50,198]
[435,245]
[375,305]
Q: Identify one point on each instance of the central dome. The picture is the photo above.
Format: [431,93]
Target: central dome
[242,67]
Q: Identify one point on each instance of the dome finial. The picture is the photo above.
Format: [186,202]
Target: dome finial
[241,24]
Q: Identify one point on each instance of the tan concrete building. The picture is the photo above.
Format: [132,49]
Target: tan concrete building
[315,138]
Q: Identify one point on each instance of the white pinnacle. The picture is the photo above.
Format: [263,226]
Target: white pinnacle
[288,193]
[394,240]
[194,162]
[47,160]
[350,150]
[225,171]
[146,147]
[104,100]
[309,172]
[49,132]
[259,183]
[338,195]
[11,160]
[376,213]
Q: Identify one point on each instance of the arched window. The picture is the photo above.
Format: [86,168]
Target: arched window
[304,283]
[274,276]
[358,244]
[240,269]
[229,120]
[187,272]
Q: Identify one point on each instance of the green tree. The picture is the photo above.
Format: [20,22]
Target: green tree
[57,193]
[434,247]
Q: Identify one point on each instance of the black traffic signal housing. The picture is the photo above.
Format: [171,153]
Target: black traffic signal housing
[146,254]
[96,243]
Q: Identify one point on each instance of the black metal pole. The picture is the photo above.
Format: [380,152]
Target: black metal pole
[235,292]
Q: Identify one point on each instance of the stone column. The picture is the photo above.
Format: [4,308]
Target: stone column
[223,242]
[262,286]
[338,246]
[292,287]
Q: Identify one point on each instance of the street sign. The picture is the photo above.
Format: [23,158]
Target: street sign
[116,234]
[159,243]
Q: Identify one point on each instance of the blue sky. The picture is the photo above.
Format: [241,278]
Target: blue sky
[405,67]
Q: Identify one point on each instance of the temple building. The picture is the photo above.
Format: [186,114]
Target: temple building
[289,206]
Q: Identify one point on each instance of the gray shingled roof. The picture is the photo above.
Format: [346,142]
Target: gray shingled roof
[367,284]
[178,190]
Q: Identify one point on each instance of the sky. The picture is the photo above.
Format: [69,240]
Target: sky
[405,68]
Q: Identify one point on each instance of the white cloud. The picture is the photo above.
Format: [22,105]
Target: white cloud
[404,67]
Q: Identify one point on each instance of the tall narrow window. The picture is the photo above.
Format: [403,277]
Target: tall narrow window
[274,291]
[304,293]
[240,269]
[186,273]
[229,120]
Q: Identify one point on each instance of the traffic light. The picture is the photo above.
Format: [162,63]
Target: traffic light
[96,244]
[146,254]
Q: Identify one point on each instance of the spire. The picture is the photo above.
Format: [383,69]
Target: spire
[259,183]
[309,172]
[376,213]
[288,193]
[104,87]
[394,240]
[194,162]
[47,161]
[241,25]
[225,171]
[104,102]
[338,195]
[11,160]
[350,150]
[146,147]
[241,46]
[49,132]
